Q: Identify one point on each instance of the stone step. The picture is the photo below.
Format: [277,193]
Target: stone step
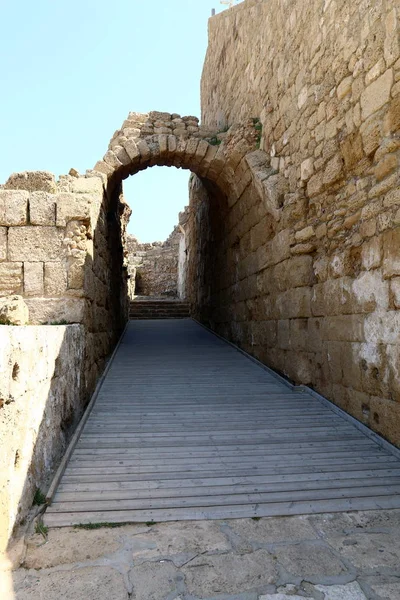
[158,309]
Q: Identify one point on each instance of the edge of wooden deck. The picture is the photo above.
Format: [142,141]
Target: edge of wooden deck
[75,438]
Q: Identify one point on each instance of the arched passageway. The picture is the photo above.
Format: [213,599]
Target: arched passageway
[226,166]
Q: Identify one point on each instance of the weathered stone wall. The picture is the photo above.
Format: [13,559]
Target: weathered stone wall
[62,249]
[309,272]
[42,396]
[153,267]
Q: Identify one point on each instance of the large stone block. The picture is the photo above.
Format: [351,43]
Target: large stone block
[55,310]
[343,328]
[72,207]
[13,311]
[13,207]
[87,185]
[33,279]
[11,278]
[295,303]
[377,94]
[32,181]
[42,208]
[391,253]
[34,244]
[55,278]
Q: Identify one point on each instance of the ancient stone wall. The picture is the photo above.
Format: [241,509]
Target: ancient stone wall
[310,268]
[61,248]
[153,267]
[42,396]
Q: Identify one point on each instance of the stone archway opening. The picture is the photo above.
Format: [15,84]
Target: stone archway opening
[224,165]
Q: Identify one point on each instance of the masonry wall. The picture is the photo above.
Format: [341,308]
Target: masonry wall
[153,267]
[42,397]
[62,249]
[321,304]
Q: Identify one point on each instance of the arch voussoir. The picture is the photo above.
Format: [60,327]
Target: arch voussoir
[159,138]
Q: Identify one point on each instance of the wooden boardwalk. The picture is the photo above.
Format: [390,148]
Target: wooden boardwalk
[187,427]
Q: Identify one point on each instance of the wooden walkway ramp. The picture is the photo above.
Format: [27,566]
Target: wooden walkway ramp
[187,427]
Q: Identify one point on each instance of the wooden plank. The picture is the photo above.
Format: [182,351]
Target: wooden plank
[234,512]
[235,472]
[181,462]
[129,494]
[180,501]
[297,478]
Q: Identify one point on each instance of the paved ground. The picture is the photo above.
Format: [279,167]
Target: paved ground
[353,556]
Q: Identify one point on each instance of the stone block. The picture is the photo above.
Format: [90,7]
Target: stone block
[304,234]
[55,278]
[343,328]
[299,335]
[344,87]
[278,249]
[307,169]
[371,133]
[371,253]
[72,207]
[283,334]
[54,310]
[42,208]
[295,303]
[13,311]
[228,573]
[352,150]
[34,244]
[76,275]
[33,279]
[11,278]
[333,170]
[382,327]
[13,207]
[377,94]
[386,165]
[32,181]
[391,122]
[391,253]
[3,243]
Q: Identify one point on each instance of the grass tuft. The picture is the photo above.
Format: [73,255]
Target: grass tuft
[39,498]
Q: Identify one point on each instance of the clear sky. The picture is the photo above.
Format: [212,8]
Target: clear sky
[72,70]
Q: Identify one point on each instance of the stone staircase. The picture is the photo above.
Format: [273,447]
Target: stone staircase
[158,308]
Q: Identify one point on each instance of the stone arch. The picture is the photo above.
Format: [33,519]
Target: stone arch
[228,159]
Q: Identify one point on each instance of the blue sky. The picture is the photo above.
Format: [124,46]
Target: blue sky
[71,72]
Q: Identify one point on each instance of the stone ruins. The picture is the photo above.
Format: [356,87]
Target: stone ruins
[289,248]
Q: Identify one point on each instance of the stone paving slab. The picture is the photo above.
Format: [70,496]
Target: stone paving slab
[348,556]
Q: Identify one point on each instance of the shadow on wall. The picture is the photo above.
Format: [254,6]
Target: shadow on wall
[43,396]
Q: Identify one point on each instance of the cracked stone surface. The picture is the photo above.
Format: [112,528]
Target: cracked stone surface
[312,562]
[227,573]
[154,581]
[92,583]
[369,550]
[344,556]
[270,531]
